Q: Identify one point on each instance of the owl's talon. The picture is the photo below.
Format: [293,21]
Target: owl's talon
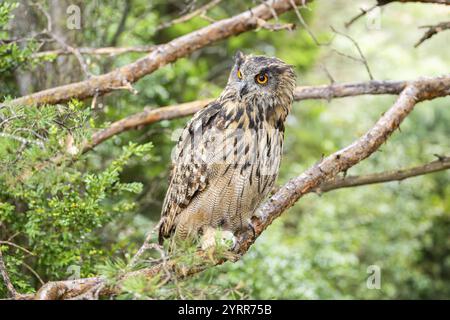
[250,226]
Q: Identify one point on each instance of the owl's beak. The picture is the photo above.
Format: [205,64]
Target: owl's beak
[243,89]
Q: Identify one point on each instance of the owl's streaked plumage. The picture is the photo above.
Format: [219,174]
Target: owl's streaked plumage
[228,156]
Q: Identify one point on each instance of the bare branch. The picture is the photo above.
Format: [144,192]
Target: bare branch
[145,246]
[361,58]
[362,14]
[303,22]
[275,26]
[443,163]
[432,30]
[380,3]
[166,53]
[51,34]
[12,244]
[75,52]
[146,117]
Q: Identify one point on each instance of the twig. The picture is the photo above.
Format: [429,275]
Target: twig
[34,273]
[432,30]
[274,26]
[303,23]
[327,72]
[363,13]
[198,12]
[12,244]
[362,58]
[61,42]
[380,3]
[76,53]
[145,246]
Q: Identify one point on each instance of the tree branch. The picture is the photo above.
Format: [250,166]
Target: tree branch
[166,53]
[443,163]
[380,3]
[282,200]
[432,30]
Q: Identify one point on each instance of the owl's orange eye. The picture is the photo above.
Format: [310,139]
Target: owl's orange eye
[261,78]
[239,74]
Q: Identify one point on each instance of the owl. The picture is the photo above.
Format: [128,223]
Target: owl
[228,156]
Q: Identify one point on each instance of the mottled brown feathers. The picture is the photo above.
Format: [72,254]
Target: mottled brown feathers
[228,155]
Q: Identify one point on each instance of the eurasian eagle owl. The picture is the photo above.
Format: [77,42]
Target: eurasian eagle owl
[228,155]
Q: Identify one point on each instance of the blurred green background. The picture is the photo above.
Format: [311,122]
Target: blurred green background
[323,246]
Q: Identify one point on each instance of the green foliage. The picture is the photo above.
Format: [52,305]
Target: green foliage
[58,211]
[15,53]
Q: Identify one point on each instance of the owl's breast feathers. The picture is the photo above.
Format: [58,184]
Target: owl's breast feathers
[228,149]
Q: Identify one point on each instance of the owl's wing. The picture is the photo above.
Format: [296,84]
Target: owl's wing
[188,175]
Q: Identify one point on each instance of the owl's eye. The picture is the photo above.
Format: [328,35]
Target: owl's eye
[239,74]
[261,78]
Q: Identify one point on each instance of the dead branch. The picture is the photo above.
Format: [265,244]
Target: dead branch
[283,199]
[164,54]
[443,163]
[432,30]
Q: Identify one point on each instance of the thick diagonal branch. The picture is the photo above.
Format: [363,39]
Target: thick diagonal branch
[164,54]
[282,200]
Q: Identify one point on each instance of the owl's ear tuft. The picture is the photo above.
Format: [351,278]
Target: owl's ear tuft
[239,57]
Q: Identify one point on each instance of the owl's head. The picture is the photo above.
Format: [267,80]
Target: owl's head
[262,79]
